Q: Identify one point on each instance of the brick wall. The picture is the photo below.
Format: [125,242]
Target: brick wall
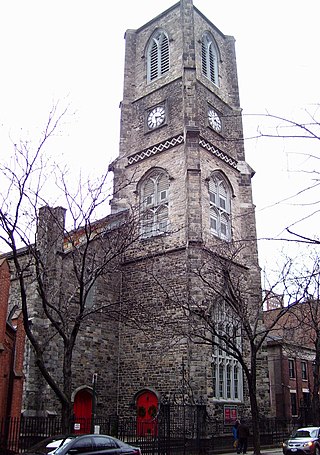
[12,338]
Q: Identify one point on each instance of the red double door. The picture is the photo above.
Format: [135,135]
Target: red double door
[147,412]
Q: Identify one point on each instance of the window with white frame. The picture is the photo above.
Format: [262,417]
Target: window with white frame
[304,371]
[226,370]
[220,203]
[292,370]
[154,204]
[306,399]
[209,56]
[158,61]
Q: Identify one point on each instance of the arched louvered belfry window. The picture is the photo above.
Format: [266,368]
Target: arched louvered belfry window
[220,206]
[158,62]
[210,67]
[154,203]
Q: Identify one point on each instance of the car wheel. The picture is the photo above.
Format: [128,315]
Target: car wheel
[317,451]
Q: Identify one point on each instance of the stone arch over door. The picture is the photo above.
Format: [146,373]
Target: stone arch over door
[147,405]
[82,408]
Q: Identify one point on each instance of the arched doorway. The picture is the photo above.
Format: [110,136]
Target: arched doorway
[82,409]
[147,412]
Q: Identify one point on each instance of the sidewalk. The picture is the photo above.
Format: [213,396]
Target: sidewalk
[264,451]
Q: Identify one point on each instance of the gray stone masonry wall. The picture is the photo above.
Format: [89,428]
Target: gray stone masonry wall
[187,94]
[96,349]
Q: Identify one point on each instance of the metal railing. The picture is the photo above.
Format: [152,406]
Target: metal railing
[174,431]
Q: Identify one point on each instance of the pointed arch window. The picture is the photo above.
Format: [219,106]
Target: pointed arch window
[226,371]
[154,204]
[209,57]
[158,62]
[220,206]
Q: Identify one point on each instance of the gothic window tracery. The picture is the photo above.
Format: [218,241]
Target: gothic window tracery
[154,203]
[220,206]
[226,370]
[158,61]
[209,56]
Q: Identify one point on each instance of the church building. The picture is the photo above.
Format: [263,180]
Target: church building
[182,171]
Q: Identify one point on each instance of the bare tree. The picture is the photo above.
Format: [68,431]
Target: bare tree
[229,317]
[299,137]
[57,267]
[302,287]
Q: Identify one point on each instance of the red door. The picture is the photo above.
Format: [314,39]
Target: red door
[147,411]
[82,411]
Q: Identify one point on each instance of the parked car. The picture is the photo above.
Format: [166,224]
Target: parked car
[48,445]
[88,444]
[304,441]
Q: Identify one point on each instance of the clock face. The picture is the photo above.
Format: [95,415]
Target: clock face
[156,117]
[214,120]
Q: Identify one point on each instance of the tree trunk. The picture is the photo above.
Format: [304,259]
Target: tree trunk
[67,418]
[252,385]
[67,407]
[255,420]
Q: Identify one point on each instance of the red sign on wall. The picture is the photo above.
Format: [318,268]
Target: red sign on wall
[230,414]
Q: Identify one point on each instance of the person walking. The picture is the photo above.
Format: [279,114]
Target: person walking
[243,435]
[235,434]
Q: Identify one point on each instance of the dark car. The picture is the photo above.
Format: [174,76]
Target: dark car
[48,445]
[304,441]
[89,444]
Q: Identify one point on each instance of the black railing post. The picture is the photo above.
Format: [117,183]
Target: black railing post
[94,401]
[168,425]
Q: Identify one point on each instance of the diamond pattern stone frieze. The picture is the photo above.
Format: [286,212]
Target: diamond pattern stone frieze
[223,156]
[165,145]
[177,140]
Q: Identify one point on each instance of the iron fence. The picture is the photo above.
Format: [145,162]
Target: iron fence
[175,430]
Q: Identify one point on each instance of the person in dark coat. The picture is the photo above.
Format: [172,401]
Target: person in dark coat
[243,435]
[235,434]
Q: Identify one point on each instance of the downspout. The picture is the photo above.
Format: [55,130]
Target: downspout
[11,379]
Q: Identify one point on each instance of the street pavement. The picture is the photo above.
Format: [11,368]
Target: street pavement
[272,451]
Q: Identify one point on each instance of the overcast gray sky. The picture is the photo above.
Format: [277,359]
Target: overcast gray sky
[73,51]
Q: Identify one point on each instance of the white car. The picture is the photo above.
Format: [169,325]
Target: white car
[304,441]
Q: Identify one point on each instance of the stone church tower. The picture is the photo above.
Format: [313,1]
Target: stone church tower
[182,168]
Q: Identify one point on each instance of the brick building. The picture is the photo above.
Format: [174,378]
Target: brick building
[291,356]
[182,164]
[12,344]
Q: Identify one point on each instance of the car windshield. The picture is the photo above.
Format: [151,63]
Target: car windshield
[57,451]
[305,434]
[54,446]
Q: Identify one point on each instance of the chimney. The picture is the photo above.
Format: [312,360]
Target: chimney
[50,230]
